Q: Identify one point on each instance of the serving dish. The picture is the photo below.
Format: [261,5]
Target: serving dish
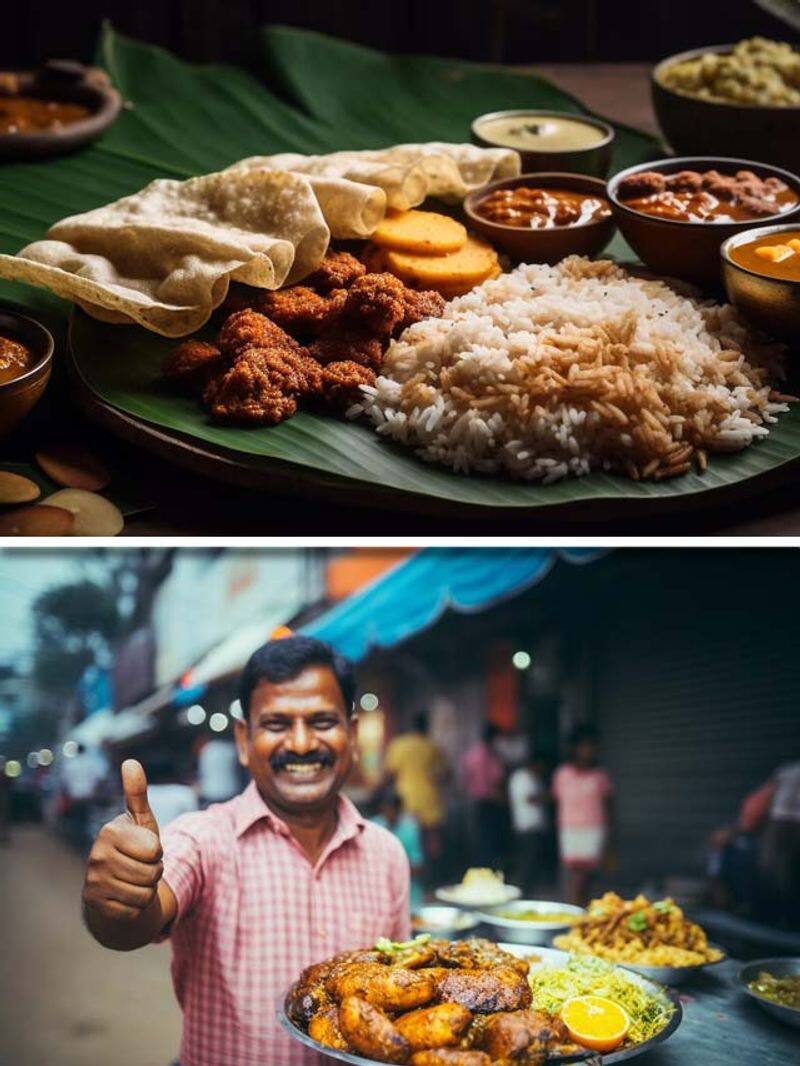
[453,894]
[779,967]
[19,395]
[594,159]
[520,931]
[543,245]
[547,957]
[693,125]
[442,921]
[689,250]
[68,82]
[770,302]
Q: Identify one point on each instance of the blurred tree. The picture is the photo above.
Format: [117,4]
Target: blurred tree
[73,623]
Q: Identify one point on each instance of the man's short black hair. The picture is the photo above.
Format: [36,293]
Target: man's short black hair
[281,660]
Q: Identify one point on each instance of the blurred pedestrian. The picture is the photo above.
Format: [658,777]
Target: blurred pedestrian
[218,775]
[583,792]
[483,778]
[403,825]
[779,852]
[169,796]
[527,794]
[419,769]
[251,891]
[5,803]
[82,776]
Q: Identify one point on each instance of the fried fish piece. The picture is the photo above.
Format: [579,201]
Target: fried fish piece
[485,991]
[249,329]
[367,1029]
[376,303]
[341,343]
[324,1027]
[337,270]
[506,1036]
[192,363]
[450,1057]
[388,987]
[430,1027]
[341,383]
[300,310]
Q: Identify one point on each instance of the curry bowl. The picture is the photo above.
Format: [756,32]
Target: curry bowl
[21,393]
[59,82]
[508,923]
[550,245]
[771,303]
[692,124]
[594,158]
[777,967]
[684,249]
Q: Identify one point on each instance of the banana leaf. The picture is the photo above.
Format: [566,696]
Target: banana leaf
[314,94]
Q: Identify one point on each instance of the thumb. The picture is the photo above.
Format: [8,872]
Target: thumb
[134,785]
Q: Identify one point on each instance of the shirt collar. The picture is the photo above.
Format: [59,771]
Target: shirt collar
[251,808]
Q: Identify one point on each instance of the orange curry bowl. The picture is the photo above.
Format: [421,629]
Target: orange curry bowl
[22,383]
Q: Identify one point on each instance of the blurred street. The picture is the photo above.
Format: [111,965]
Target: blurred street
[66,1001]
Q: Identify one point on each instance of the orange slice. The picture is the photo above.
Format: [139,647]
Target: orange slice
[595,1022]
[421,232]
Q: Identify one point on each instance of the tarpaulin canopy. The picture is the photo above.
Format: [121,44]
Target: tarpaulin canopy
[418,591]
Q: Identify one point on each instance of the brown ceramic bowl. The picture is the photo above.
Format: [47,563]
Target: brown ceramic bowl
[543,245]
[772,304]
[690,250]
[68,82]
[17,397]
[594,160]
[693,125]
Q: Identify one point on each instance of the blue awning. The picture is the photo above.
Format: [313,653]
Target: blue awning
[417,592]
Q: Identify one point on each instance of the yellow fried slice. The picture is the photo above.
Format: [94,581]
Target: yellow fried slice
[469,264]
[420,232]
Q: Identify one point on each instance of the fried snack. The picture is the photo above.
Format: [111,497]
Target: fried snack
[450,1057]
[308,994]
[367,1029]
[638,931]
[340,344]
[191,364]
[485,991]
[421,304]
[506,1036]
[388,987]
[250,329]
[476,954]
[376,302]
[324,1027]
[338,270]
[431,1027]
[420,232]
[247,393]
[341,383]
[300,310]
[470,265]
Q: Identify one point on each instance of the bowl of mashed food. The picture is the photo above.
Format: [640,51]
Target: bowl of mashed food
[676,213]
[549,140]
[742,99]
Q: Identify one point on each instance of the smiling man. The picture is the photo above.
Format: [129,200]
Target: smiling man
[251,891]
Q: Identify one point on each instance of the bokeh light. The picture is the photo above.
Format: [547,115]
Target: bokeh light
[196,715]
[521,660]
[70,749]
[218,722]
[13,768]
[45,757]
[369,702]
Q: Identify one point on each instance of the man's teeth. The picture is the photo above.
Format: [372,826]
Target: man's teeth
[304,769]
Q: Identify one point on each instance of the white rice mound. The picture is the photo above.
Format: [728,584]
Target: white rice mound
[557,370]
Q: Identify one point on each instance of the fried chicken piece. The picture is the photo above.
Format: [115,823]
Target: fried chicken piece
[293,372]
[486,991]
[376,303]
[300,310]
[388,987]
[431,1027]
[476,953]
[645,183]
[341,383]
[506,1036]
[418,305]
[324,1027]
[367,1029]
[192,363]
[308,994]
[249,329]
[340,344]
[247,393]
[450,1057]
[338,270]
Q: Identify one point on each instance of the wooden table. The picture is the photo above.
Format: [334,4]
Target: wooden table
[186,505]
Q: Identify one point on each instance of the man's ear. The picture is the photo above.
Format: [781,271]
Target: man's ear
[352,729]
[241,731]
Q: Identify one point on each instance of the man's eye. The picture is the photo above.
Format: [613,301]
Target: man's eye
[325,723]
[274,726]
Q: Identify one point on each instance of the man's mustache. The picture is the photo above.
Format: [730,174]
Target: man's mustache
[281,759]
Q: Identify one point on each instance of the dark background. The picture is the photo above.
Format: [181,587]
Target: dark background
[510,31]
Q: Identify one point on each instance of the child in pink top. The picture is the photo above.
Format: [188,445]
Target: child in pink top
[583,794]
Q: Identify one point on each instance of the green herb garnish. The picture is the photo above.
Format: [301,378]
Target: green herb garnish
[395,947]
[637,923]
[663,906]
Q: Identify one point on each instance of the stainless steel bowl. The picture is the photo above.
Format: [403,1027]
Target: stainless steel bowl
[440,921]
[520,931]
[671,975]
[778,968]
[769,302]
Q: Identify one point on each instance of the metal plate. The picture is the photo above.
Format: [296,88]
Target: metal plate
[548,956]
[521,932]
[450,894]
[665,975]
[779,968]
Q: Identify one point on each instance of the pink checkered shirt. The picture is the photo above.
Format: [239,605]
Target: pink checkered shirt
[253,912]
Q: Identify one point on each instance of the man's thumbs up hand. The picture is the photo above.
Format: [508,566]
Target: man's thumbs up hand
[124,866]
